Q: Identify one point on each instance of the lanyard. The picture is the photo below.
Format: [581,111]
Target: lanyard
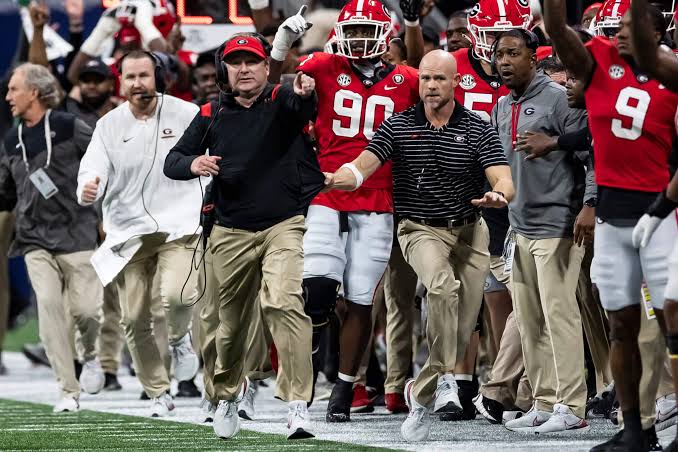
[515,116]
[48,141]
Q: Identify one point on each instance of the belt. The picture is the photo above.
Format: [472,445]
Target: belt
[445,222]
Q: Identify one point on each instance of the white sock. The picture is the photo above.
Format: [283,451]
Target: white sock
[346,378]
[465,377]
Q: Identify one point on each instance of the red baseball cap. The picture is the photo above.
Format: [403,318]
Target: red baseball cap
[244,44]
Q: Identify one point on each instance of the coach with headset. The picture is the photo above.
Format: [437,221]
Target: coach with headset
[150,221]
[265,174]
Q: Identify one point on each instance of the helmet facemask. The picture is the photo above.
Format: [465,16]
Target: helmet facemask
[369,44]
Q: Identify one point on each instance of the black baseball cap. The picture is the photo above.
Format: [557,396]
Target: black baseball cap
[96,66]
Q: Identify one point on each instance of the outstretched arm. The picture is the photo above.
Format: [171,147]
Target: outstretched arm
[569,47]
[661,64]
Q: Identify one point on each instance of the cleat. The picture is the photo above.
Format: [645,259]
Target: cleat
[163,406]
[339,406]
[298,421]
[417,426]
[92,378]
[185,362]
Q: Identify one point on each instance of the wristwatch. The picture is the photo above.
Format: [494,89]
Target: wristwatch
[591,202]
[499,193]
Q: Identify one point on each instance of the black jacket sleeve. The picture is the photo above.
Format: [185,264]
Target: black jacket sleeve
[304,109]
[8,195]
[191,144]
[578,140]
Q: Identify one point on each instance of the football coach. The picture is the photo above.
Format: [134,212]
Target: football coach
[264,175]
[442,155]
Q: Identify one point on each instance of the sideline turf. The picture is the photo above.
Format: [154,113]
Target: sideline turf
[30,426]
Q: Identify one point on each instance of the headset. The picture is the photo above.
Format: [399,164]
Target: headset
[531,42]
[222,74]
[163,65]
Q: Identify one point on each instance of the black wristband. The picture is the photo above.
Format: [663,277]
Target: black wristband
[662,206]
[499,193]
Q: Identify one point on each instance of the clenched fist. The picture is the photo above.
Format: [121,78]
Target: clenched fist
[90,191]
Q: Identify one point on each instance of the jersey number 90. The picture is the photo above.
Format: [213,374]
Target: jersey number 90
[351,105]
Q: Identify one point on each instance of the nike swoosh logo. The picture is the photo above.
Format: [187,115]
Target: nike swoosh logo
[126,140]
[389,88]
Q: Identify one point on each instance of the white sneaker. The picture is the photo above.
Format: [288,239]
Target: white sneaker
[298,420]
[184,360]
[207,410]
[92,378]
[162,406]
[511,415]
[417,426]
[667,415]
[529,421]
[246,407]
[67,405]
[447,395]
[226,420]
[562,420]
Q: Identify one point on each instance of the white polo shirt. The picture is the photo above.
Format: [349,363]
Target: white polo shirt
[128,155]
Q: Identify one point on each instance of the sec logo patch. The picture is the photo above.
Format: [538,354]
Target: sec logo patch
[467,81]
[616,72]
[398,79]
[344,80]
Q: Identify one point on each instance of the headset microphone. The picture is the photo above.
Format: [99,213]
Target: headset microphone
[151,96]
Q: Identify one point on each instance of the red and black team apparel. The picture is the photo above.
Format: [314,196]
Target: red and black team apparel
[477,91]
[631,118]
[351,107]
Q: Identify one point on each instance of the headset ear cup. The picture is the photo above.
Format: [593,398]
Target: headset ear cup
[159,73]
[222,75]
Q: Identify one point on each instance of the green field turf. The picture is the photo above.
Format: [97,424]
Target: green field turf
[26,333]
[30,426]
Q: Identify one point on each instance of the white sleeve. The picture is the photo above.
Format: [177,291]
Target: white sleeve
[94,163]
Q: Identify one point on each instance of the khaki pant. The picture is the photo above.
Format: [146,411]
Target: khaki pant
[111,339]
[508,383]
[544,278]
[257,359]
[655,381]
[59,280]
[272,260]
[452,264]
[172,261]
[399,287]
[159,320]
[595,324]
[6,232]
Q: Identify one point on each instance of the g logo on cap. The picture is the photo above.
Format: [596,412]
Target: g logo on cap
[241,41]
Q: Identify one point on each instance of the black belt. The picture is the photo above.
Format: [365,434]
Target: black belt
[445,222]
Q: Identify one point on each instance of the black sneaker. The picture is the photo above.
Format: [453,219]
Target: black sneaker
[609,444]
[600,406]
[490,409]
[111,382]
[467,391]
[673,447]
[652,440]
[339,406]
[36,354]
[188,389]
[622,443]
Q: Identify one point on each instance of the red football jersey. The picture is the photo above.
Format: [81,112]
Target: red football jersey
[631,119]
[477,91]
[349,113]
